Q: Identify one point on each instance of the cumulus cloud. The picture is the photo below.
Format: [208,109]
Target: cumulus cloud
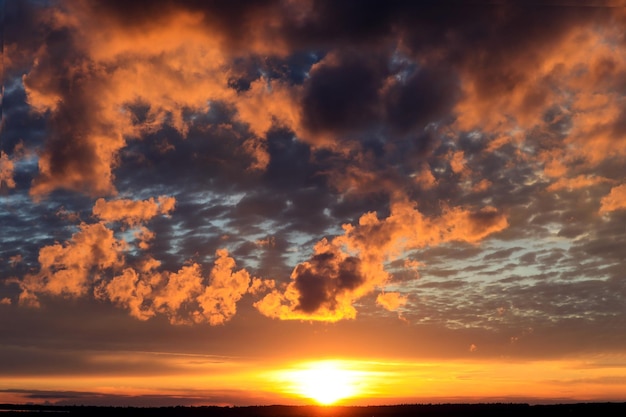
[185,297]
[615,200]
[93,68]
[391,300]
[128,290]
[6,171]
[350,266]
[94,260]
[69,269]
[133,212]
[323,288]
[219,299]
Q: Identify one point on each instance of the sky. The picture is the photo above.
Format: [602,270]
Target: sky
[212,202]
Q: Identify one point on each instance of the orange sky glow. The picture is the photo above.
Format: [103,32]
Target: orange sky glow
[312,202]
[349,381]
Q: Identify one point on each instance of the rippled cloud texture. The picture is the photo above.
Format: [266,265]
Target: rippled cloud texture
[451,166]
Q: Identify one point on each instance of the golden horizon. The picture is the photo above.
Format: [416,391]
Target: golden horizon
[340,381]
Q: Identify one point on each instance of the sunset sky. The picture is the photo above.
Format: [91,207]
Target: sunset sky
[238,203]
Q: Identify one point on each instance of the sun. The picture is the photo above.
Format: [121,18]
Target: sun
[325,382]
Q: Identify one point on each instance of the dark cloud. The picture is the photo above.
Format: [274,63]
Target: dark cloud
[426,96]
[343,94]
[500,254]
[236,22]
[93,398]
[324,278]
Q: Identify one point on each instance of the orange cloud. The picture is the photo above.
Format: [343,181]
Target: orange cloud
[391,300]
[458,163]
[133,212]
[185,297]
[267,103]
[407,228]
[77,267]
[218,301]
[615,200]
[581,181]
[6,170]
[425,178]
[144,235]
[482,186]
[261,286]
[593,136]
[573,81]
[128,290]
[358,180]
[352,265]
[322,288]
[111,65]
[179,293]
[515,90]
[70,269]
[566,92]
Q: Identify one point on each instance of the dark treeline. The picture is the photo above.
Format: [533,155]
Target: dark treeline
[420,410]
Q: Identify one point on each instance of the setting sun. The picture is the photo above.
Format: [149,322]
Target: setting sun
[325,382]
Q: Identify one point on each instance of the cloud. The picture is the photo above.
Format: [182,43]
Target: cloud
[343,93]
[179,290]
[6,171]
[391,300]
[425,178]
[580,181]
[69,269]
[457,163]
[133,212]
[112,55]
[569,97]
[219,300]
[350,266]
[93,68]
[267,103]
[322,288]
[84,264]
[185,296]
[128,290]
[615,200]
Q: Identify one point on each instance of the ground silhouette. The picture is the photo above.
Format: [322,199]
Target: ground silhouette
[420,410]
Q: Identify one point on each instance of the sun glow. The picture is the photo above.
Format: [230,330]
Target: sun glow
[325,382]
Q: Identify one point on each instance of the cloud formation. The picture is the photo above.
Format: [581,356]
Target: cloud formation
[132,212]
[88,262]
[391,300]
[330,150]
[6,171]
[615,200]
[67,269]
[352,265]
